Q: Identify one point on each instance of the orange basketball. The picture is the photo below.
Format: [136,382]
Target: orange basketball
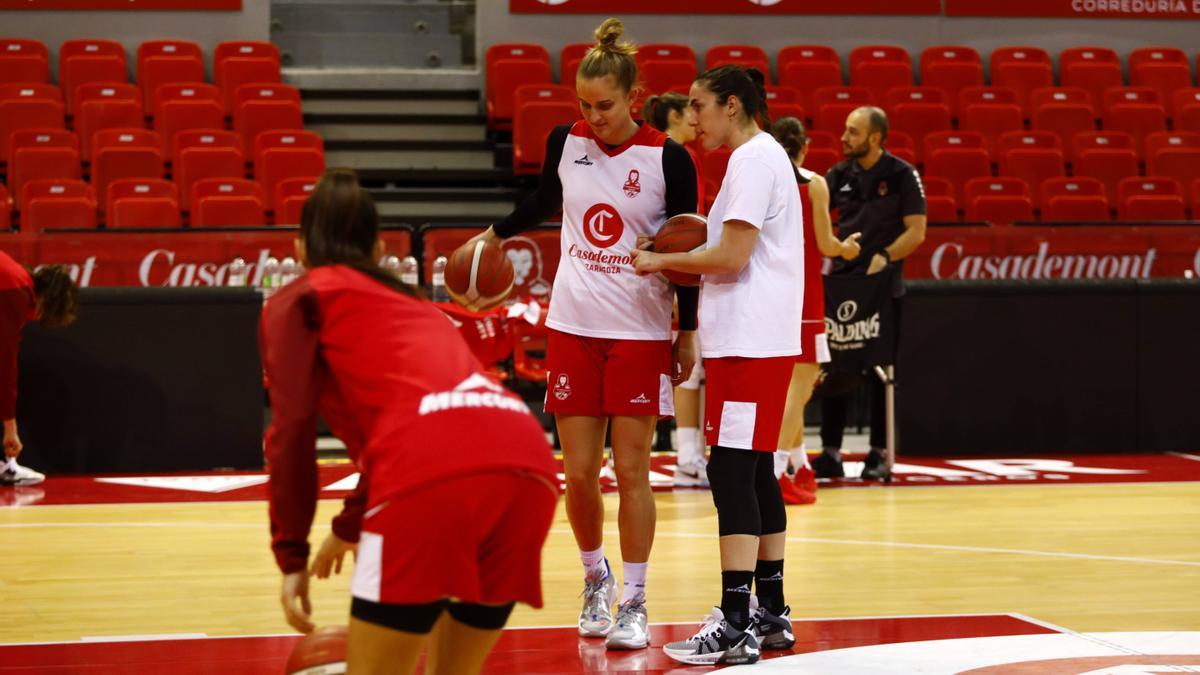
[480,276]
[681,234]
[322,652]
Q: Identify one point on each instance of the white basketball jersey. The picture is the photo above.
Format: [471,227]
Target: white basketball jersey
[609,198]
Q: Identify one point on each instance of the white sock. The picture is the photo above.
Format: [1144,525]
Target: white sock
[800,457]
[781,462]
[686,438]
[593,563]
[634,575]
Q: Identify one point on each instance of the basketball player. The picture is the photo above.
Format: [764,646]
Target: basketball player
[668,112]
[457,487]
[799,484]
[752,291]
[609,352]
[49,297]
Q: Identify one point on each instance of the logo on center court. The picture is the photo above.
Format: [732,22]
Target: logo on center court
[602,225]
[633,185]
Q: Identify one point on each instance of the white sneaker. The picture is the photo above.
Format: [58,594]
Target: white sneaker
[596,619]
[17,475]
[606,470]
[717,642]
[631,629]
[692,474]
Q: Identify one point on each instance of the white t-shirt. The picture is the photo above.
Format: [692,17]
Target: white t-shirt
[757,312]
[609,198]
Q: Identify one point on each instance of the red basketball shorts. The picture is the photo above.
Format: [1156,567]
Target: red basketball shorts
[814,342]
[475,539]
[599,377]
[744,399]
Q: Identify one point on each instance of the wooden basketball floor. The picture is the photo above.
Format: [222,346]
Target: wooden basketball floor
[1084,557]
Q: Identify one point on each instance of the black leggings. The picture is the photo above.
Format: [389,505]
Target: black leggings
[419,619]
[745,492]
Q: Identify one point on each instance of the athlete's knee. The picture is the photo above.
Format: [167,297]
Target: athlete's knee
[731,474]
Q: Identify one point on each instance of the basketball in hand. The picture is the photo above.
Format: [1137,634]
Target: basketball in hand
[681,234]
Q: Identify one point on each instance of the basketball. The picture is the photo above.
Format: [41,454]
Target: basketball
[681,234]
[479,276]
[322,652]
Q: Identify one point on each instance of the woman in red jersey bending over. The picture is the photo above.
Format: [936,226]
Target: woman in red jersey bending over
[609,354]
[458,484]
[750,313]
[799,485]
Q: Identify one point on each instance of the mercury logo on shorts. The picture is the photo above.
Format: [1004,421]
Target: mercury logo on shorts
[640,398]
[562,387]
[633,185]
[602,225]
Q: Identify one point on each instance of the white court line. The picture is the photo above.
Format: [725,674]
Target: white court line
[1194,458]
[942,547]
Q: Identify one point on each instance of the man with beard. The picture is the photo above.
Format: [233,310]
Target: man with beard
[881,197]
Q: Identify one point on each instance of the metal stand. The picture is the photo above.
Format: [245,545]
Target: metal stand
[887,374]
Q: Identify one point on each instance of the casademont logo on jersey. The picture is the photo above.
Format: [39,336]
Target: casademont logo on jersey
[602,227]
[476,391]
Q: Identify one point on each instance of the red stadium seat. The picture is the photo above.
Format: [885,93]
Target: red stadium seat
[83,61]
[574,53]
[252,117]
[275,164]
[198,163]
[911,94]
[1165,69]
[987,186]
[832,117]
[1027,139]
[896,140]
[1064,120]
[953,139]
[1110,166]
[30,90]
[662,76]
[568,71]
[808,68]
[1022,69]
[1101,140]
[26,113]
[1072,187]
[142,203]
[544,93]
[940,203]
[857,96]
[988,96]
[241,62]
[6,207]
[532,125]
[1185,109]
[522,51]
[1059,95]
[958,165]
[1152,208]
[290,195]
[825,139]
[992,121]
[288,139]
[1116,95]
[938,187]
[104,91]
[777,93]
[162,62]
[1093,69]
[42,154]
[23,60]
[1196,200]
[227,202]
[665,51]
[183,91]
[1000,210]
[750,56]
[1180,163]
[266,91]
[952,69]
[124,153]
[96,114]
[184,114]
[1137,119]
[503,78]
[57,204]
[1033,165]
[1083,208]
[205,138]
[921,119]
[1162,140]
[880,68]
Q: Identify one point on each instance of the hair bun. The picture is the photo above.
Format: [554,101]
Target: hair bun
[609,32]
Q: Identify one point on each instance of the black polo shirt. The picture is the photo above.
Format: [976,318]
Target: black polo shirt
[874,202]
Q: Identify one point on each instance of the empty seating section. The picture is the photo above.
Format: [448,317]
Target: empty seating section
[147,132]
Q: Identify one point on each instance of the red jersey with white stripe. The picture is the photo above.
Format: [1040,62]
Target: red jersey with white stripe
[393,379]
[609,197]
[814,285]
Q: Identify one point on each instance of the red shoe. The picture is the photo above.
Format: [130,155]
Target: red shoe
[793,493]
[806,479]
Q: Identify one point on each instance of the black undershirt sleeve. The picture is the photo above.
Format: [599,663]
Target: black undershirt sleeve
[547,199]
[679,172]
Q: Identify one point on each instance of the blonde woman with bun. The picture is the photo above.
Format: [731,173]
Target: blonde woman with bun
[611,360]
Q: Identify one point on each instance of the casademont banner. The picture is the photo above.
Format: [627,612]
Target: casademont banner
[201,258]
[619,7]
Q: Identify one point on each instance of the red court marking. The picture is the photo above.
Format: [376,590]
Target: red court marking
[1153,468]
[519,651]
